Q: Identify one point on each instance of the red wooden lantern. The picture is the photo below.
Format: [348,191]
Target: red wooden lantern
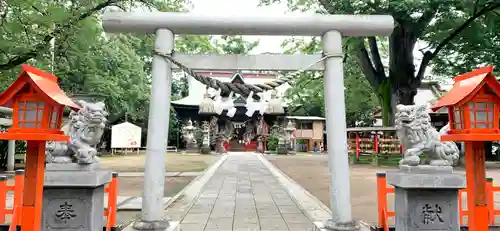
[38,104]
[473,104]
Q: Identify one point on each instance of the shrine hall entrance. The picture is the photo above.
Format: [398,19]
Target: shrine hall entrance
[237,143]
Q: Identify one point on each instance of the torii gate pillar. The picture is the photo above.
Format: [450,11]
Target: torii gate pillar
[331,27]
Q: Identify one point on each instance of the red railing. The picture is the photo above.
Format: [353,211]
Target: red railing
[17,189]
[384,214]
[374,144]
[18,186]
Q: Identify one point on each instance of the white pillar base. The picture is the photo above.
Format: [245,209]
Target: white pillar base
[325,226]
[348,226]
[154,226]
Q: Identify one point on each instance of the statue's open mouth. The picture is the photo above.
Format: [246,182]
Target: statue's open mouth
[405,121]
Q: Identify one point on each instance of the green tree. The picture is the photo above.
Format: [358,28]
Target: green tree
[235,44]
[306,96]
[439,23]
[117,66]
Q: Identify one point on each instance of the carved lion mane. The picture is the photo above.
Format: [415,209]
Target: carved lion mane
[85,128]
[413,125]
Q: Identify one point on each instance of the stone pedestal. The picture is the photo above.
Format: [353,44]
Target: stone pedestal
[192,147]
[426,197]
[73,197]
[282,147]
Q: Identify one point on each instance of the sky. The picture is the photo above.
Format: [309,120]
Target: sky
[244,7]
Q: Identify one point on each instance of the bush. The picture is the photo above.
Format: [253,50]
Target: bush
[272,142]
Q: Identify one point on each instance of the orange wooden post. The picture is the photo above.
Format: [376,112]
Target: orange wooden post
[33,189]
[358,141]
[3,198]
[491,201]
[18,194]
[381,199]
[112,199]
[16,216]
[477,201]
[469,169]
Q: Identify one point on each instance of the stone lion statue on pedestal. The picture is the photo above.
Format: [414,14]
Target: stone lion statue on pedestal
[84,128]
[414,129]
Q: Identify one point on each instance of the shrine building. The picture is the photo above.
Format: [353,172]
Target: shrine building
[240,126]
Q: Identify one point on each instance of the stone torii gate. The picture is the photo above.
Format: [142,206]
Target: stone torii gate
[330,27]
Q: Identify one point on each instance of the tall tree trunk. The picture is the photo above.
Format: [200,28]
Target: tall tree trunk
[383,92]
[403,84]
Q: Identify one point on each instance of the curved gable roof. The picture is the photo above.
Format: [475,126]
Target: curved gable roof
[42,81]
[465,85]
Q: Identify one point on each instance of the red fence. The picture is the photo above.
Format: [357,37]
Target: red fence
[374,144]
[384,214]
[17,189]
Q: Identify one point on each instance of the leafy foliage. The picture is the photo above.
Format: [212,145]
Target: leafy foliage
[273,138]
[306,95]
[115,66]
[235,44]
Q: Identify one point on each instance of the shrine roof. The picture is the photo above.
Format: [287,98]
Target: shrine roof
[305,118]
[43,81]
[464,85]
[197,89]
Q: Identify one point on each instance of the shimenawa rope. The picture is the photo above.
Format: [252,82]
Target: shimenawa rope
[242,89]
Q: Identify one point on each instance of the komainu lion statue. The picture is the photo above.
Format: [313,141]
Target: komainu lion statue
[84,128]
[414,129]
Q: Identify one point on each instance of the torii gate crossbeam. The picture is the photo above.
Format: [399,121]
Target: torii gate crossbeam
[330,27]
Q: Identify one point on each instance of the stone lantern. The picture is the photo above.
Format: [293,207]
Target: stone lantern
[188,135]
[290,140]
[205,148]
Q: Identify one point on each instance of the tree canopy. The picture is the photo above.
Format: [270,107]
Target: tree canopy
[455,31]
[66,38]
[306,94]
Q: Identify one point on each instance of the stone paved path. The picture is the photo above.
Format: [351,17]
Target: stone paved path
[243,195]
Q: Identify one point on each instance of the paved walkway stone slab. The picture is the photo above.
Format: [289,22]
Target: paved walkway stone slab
[243,195]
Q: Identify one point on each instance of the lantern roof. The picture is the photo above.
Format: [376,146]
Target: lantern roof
[43,82]
[466,85]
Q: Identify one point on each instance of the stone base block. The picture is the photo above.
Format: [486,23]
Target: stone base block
[205,150]
[172,226]
[73,198]
[426,197]
[73,209]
